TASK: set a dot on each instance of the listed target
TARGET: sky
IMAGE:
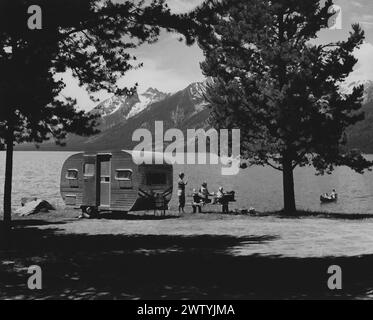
(170, 65)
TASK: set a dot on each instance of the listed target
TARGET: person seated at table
(196, 197)
(220, 194)
(221, 199)
(204, 193)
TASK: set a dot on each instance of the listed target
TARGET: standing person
(181, 192)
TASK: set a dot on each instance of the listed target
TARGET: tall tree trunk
(8, 178)
(288, 184)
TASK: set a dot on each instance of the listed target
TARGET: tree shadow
(36, 222)
(323, 215)
(168, 267)
(130, 216)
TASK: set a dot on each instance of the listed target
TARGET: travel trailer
(112, 181)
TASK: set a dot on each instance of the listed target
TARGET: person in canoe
(332, 197)
(334, 194)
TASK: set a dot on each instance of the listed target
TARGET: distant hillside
(120, 117)
(186, 109)
(361, 135)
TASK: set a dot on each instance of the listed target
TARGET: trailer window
(89, 169)
(123, 175)
(72, 174)
(156, 178)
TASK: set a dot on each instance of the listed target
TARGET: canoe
(324, 199)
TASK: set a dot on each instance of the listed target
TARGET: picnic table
(223, 202)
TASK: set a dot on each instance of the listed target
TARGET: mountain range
(121, 116)
(118, 109)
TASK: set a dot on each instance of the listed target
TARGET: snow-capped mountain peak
(153, 93)
(121, 108)
(146, 99)
(109, 106)
(197, 91)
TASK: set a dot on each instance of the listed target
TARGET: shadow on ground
(166, 267)
(321, 215)
(36, 223)
(121, 216)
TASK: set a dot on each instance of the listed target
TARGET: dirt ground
(200, 256)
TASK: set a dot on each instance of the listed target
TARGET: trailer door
(90, 181)
(105, 180)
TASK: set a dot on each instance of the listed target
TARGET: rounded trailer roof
(149, 157)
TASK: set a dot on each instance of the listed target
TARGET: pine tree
(282, 89)
(92, 38)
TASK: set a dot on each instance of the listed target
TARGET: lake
(38, 174)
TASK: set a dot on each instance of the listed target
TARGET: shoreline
(63, 212)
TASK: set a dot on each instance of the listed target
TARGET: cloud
(364, 68)
(73, 90)
(361, 12)
(357, 4)
(169, 66)
(366, 20)
(167, 80)
(182, 6)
